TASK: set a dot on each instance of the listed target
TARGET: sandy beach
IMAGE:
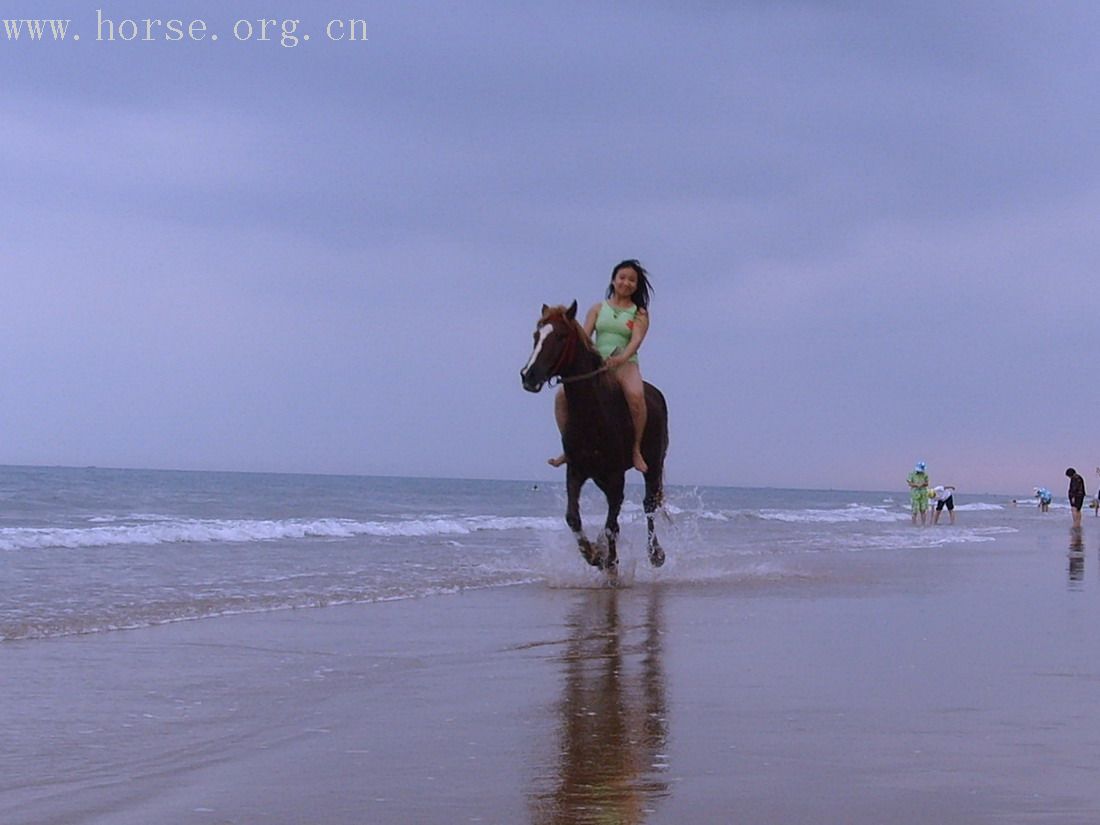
(943, 686)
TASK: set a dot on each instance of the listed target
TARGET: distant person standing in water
(918, 491)
(945, 497)
(1045, 497)
(1076, 494)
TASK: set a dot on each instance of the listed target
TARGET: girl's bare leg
(561, 415)
(630, 377)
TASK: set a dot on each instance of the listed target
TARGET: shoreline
(949, 685)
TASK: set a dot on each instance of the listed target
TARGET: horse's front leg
(614, 493)
(573, 483)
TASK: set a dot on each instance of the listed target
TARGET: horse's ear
(544, 308)
(571, 313)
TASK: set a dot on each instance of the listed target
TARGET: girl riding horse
(620, 323)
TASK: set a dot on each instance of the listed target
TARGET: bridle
(568, 353)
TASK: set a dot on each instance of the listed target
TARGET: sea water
(86, 550)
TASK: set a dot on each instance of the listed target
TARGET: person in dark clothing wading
(1076, 494)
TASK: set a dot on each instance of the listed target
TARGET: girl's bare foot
(639, 462)
(557, 461)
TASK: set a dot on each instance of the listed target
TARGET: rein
(570, 379)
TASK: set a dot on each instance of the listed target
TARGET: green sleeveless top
(614, 328)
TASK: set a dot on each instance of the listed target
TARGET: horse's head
(555, 342)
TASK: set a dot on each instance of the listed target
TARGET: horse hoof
(592, 555)
(656, 555)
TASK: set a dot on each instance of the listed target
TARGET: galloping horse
(599, 435)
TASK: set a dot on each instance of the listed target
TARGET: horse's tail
(655, 489)
(655, 500)
(655, 482)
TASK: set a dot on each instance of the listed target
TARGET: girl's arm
(590, 320)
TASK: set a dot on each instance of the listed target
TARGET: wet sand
(947, 686)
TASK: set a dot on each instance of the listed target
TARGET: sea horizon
(631, 481)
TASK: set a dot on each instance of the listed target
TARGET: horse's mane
(561, 311)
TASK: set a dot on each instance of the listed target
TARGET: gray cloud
(869, 229)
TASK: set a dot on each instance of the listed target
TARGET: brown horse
(599, 435)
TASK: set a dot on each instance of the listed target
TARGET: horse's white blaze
(544, 331)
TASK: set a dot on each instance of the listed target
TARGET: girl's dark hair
(641, 294)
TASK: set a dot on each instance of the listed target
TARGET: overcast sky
(871, 229)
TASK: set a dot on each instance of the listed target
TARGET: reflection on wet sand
(1076, 557)
(613, 723)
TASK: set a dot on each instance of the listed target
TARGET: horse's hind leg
(654, 497)
(573, 483)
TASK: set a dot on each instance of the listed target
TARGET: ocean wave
(103, 619)
(917, 539)
(187, 531)
(707, 515)
(846, 515)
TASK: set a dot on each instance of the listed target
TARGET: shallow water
(89, 550)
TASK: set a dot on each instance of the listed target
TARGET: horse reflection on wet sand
(599, 433)
(610, 763)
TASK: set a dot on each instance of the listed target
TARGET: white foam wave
(241, 530)
(151, 615)
(979, 505)
(846, 515)
(711, 516)
(926, 538)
